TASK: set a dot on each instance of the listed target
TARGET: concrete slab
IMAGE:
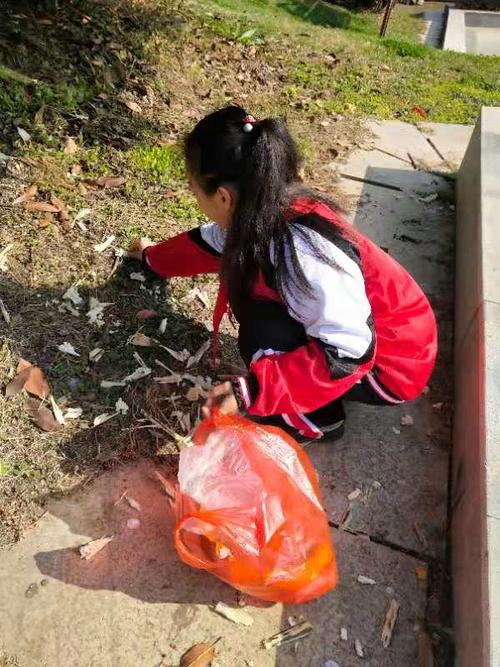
(403, 476)
(401, 139)
(135, 604)
(434, 22)
(451, 140)
(473, 32)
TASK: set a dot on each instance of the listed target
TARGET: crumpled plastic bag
(248, 510)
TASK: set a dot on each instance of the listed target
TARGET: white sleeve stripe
(212, 234)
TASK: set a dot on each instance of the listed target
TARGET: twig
(5, 312)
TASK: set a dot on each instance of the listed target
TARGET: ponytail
(260, 160)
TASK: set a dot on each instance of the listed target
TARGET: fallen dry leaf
(104, 417)
(169, 487)
(121, 407)
(146, 314)
(193, 394)
(196, 358)
(40, 206)
(28, 194)
(57, 411)
(180, 356)
(41, 415)
(138, 374)
(389, 622)
(141, 340)
(133, 106)
(89, 550)
(28, 377)
(101, 247)
(5, 312)
(63, 213)
(199, 655)
(67, 348)
(71, 294)
(48, 219)
(133, 504)
(354, 494)
(110, 181)
(70, 147)
(25, 136)
(73, 413)
(238, 616)
(16, 385)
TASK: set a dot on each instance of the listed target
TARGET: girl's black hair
(262, 165)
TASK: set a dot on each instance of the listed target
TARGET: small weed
(164, 163)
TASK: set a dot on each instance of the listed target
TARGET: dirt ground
(132, 81)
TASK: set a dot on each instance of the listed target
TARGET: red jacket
(405, 347)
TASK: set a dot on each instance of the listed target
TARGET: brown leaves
(28, 377)
(63, 213)
(28, 194)
(110, 181)
(42, 416)
(41, 206)
(89, 550)
(199, 655)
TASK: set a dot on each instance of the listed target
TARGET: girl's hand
(137, 247)
(222, 396)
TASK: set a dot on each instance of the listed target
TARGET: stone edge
(475, 474)
(454, 36)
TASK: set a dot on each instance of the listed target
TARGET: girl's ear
(226, 198)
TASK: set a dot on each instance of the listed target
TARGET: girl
(324, 314)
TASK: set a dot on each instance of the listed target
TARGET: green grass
(162, 163)
(387, 78)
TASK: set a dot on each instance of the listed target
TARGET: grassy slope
(74, 74)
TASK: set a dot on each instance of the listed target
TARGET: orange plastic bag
(248, 510)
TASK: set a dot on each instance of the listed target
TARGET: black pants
(266, 325)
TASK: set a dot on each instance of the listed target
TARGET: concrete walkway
(136, 604)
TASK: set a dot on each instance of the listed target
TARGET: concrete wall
(476, 457)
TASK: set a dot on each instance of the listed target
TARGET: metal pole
(387, 15)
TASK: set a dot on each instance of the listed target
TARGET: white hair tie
(249, 122)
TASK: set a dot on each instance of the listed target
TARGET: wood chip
(141, 340)
(25, 136)
(90, 549)
(366, 580)
(354, 494)
(95, 355)
(73, 413)
(71, 294)
(358, 647)
(343, 634)
(238, 616)
(389, 622)
(5, 312)
(193, 394)
(104, 417)
(163, 326)
(407, 420)
(137, 275)
(299, 631)
(180, 356)
(121, 407)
